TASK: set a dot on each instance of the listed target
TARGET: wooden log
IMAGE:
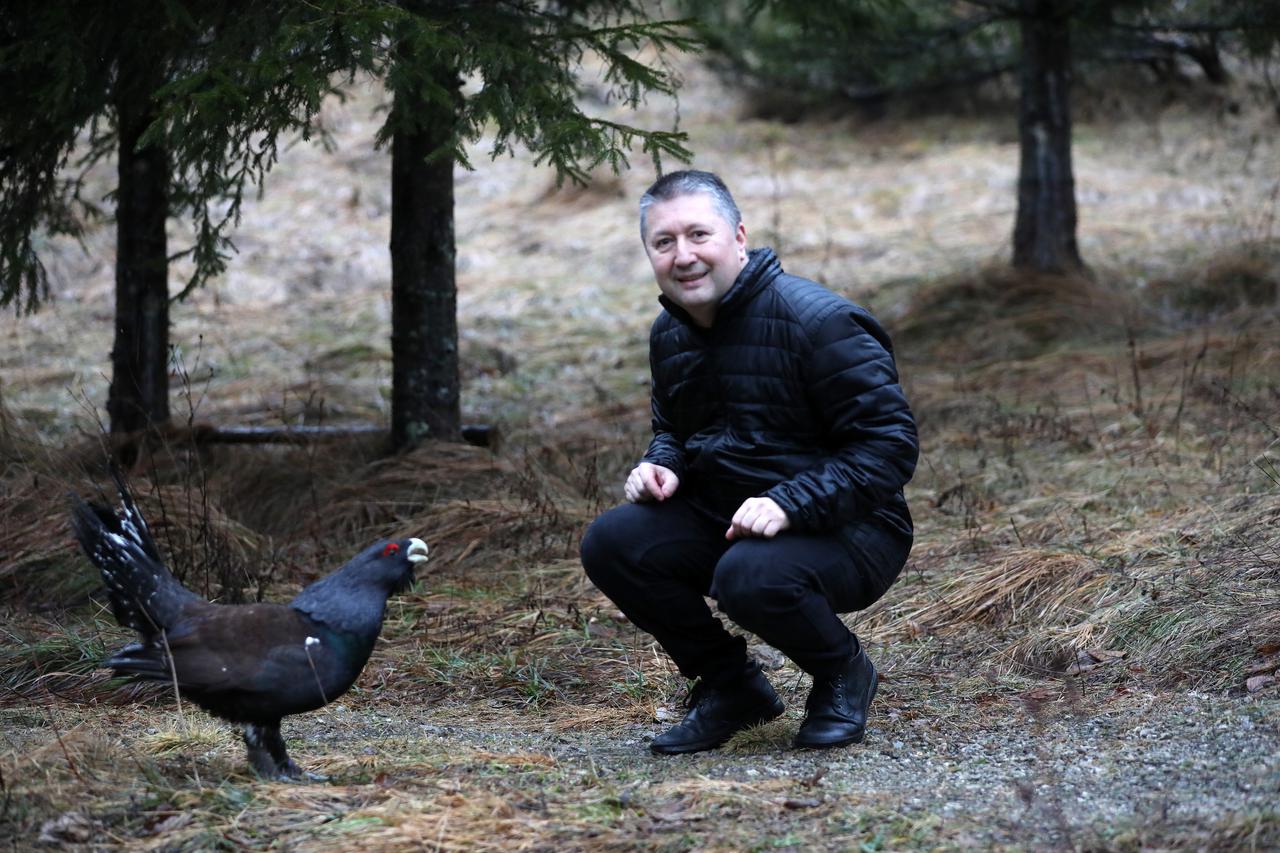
(477, 435)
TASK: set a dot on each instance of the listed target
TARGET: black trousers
(657, 561)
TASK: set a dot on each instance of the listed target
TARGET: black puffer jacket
(792, 394)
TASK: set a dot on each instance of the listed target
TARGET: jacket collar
(762, 268)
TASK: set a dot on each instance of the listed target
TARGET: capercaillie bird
(249, 664)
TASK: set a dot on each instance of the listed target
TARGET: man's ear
(741, 239)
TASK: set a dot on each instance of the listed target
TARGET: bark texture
(139, 395)
(1044, 237)
(424, 328)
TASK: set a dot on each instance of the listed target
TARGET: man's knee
(597, 548)
(607, 541)
(749, 580)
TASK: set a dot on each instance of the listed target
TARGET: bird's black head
(389, 563)
(353, 597)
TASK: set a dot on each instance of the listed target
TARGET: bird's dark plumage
(251, 664)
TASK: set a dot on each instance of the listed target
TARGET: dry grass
(1002, 314)
(1068, 537)
(1102, 508)
(1024, 587)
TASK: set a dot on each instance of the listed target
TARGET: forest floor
(1082, 653)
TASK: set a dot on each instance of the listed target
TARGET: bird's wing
(237, 647)
(263, 661)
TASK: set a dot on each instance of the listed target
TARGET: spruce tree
(525, 59)
(190, 98)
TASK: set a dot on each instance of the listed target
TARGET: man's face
(696, 254)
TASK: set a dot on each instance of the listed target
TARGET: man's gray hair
(690, 182)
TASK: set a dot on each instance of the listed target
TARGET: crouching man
(773, 484)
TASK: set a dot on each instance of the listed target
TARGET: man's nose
(684, 253)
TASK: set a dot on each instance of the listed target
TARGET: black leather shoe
(836, 710)
(717, 712)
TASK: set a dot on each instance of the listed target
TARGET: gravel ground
(1157, 770)
(940, 769)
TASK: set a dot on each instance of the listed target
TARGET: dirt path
(1179, 767)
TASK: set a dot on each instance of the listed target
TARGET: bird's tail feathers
(142, 660)
(144, 595)
(132, 522)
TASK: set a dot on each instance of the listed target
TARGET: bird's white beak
(417, 551)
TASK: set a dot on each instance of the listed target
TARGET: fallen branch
(477, 435)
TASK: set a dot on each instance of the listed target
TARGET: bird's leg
(275, 745)
(281, 766)
(260, 753)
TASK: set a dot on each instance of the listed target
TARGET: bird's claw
(289, 771)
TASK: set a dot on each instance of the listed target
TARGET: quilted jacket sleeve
(665, 449)
(868, 429)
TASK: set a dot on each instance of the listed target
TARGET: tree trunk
(1044, 236)
(139, 396)
(424, 327)
(1206, 55)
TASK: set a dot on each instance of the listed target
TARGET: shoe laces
(696, 694)
(831, 689)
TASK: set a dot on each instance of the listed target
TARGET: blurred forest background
(321, 273)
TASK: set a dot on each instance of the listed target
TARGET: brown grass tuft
(1244, 278)
(1003, 313)
(1026, 587)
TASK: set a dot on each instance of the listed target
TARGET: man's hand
(649, 482)
(757, 517)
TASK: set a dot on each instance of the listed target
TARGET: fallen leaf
(1259, 682)
(68, 827)
(599, 631)
(1092, 658)
(674, 811)
(1263, 667)
(769, 657)
(1268, 648)
(803, 803)
(815, 778)
(172, 823)
(1084, 662)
